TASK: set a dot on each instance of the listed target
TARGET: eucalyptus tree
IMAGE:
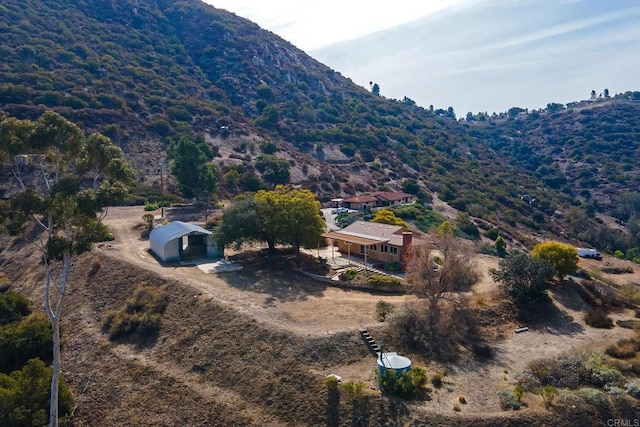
(73, 177)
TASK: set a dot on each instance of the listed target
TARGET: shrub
(151, 206)
(349, 274)
(633, 390)
(392, 267)
(462, 400)
(409, 384)
(353, 390)
(148, 224)
(437, 379)
(548, 393)
(491, 234)
(331, 382)
(623, 349)
(383, 281)
(24, 400)
(13, 307)
(572, 370)
(508, 400)
(383, 309)
(23, 340)
(140, 314)
(483, 351)
(598, 318)
(456, 407)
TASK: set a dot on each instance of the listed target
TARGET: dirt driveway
(287, 299)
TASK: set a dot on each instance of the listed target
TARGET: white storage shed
(168, 244)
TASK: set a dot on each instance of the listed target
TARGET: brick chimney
(407, 238)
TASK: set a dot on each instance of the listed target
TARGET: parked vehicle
(340, 211)
(589, 253)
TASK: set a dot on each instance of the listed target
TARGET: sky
(473, 55)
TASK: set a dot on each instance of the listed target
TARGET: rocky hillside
(146, 73)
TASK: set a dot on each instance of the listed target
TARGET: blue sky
(473, 55)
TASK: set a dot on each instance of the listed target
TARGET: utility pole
(161, 190)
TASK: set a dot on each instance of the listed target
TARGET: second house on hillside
(378, 199)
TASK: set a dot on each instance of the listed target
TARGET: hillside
(251, 348)
(147, 73)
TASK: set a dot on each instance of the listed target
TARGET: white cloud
(312, 24)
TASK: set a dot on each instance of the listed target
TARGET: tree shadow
(543, 313)
(279, 285)
(333, 407)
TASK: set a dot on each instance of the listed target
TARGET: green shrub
(509, 401)
(598, 318)
(633, 390)
(24, 340)
(349, 274)
(151, 206)
(408, 384)
(13, 307)
(383, 309)
(331, 382)
(24, 396)
(392, 267)
(353, 390)
(491, 234)
(140, 314)
(383, 281)
(437, 379)
(572, 370)
(548, 393)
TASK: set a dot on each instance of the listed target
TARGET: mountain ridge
(146, 74)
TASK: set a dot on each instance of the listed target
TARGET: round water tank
(393, 361)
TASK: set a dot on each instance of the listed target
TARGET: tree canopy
(197, 178)
(283, 215)
(523, 277)
(70, 178)
(564, 258)
(387, 216)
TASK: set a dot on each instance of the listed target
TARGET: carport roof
(174, 230)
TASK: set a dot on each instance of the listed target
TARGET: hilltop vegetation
(147, 74)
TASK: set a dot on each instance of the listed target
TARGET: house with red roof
(378, 199)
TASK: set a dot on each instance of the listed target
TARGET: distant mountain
(145, 73)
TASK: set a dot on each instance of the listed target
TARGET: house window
(384, 249)
(362, 248)
(373, 247)
(394, 250)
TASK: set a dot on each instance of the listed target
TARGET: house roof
(359, 240)
(372, 232)
(387, 196)
(391, 196)
(361, 199)
(174, 230)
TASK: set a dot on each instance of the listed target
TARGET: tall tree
(74, 176)
(436, 272)
(564, 258)
(291, 214)
(282, 215)
(523, 277)
(191, 167)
